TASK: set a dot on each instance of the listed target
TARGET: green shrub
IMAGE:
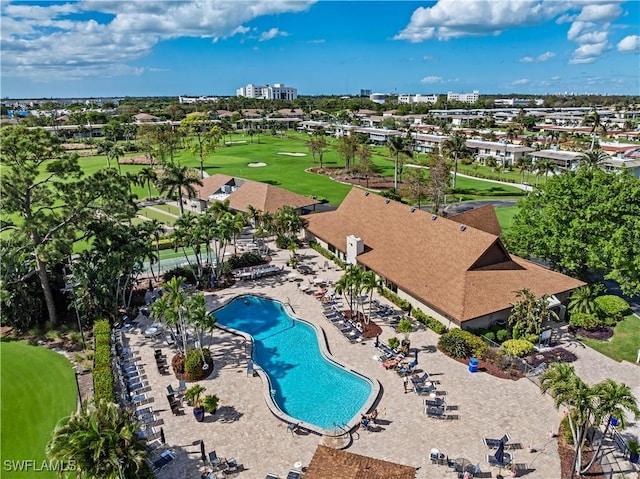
(327, 254)
(586, 321)
(502, 335)
(404, 305)
(163, 243)
(244, 261)
(475, 343)
(490, 336)
(101, 326)
(454, 346)
(518, 347)
(612, 306)
(180, 271)
(193, 364)
(394, 342)
(429, 321)
(532, 338)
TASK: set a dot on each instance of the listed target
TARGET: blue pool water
(305, 384)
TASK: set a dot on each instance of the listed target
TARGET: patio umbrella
(416, 357)
(162, 438)
(377, 340)
(202, 453)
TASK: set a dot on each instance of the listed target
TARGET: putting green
(37, 389)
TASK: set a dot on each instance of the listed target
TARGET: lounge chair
(293, 474)
(436, 412)
(506, 460)
(427, 388)
(495, 443)
(271, 475)
(437, 402)
(418, 380)
(215, 461)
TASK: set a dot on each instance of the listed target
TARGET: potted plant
(394, 342)
(405, 327)
(210, 403)
(634, 450)
(193, 395)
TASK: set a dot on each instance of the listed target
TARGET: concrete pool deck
(245, 429)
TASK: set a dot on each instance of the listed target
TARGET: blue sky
(147, 48)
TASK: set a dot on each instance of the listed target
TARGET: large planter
(634, 457)
(198, 413)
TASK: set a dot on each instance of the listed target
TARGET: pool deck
(245, 429)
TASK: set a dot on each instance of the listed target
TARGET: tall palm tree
(544, 167)
(456, 146)
(594, 120)
(101, 439)
(524, 165)
(398, 147)
(370, 283)
(567, 389)
(592, 160)
(613, 400)
(146, 176)
(175, 179)
(111, 150)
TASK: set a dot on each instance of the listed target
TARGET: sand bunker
(256, 165)
(291, 154)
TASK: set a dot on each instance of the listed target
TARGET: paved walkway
(244, 428)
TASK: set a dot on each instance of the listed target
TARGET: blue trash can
(473, 365)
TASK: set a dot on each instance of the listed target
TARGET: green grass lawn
(156, 215)
(624, 343)
(37, 389)
(505, 216)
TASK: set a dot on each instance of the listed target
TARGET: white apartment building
(277, 91)
(464, 97)
(409, 99)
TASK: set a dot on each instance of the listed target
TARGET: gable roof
(261, 196)
(329, 463)
(483, 218)
(460, 271)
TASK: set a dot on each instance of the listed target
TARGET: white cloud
(431, 79)
(318, 41)
(448, 19)
(428, 58)
(543, 57)
(271, 34)
(522, 81)
(629, 44)
(39, 40)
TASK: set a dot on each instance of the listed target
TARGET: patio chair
(436, 412)
(165, 458)
(293, 474)
(215, 461)
(495, 443)
(426, 388)
(418, 380)
(507, 459)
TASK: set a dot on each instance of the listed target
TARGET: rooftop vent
(463, 227)
(412, 210)
(366, 193)
(434, 217)
(387, 201)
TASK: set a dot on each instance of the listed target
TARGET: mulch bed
(137, 160)
(377, 182)
(566, 453)
(370, 330)
(490, 368)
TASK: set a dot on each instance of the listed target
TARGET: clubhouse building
(456, 270)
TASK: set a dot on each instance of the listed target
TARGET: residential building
(464, 97)
(506, 154)
(409, 99)
(518, 102)
(378, 98)
(241, 193)
(276, 91)
(566, 160)
(197, 99)
(457, 273)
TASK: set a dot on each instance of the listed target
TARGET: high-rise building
(365, 93)
(277, 91)
(464, 97)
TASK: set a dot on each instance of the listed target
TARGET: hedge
(102, 369)
(429, 321)
(457, 341)
(518, 347)
(327, 254)
(404, 305)
(612, 306)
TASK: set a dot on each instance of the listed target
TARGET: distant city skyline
(156, 48)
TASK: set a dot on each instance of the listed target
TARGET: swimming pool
(305, 384)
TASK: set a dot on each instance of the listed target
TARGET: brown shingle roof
(462, 272)
(329, 463)
(483, 218)
(261, 196)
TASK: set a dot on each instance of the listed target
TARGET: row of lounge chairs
(351, 330)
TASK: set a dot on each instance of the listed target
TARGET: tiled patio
(244, 428)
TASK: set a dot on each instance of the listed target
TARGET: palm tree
(397, 147)
(111, 150)
(567, 389)
(592, 160)
(597, 126)
(146, 176)
(583, 300)
(544, 167)
(613, 400)
(523, 164)
(101, 439)
(456, 146)
(174, 178)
